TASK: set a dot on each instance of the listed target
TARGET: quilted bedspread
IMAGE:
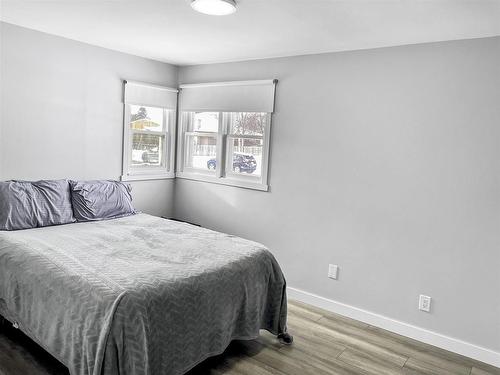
(138, 295)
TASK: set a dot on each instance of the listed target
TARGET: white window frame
(186, 118)
(139, 173)
(223, 175)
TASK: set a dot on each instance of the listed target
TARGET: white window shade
(150, 95)
(238, 96)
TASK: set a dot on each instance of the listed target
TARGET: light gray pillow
(25, 204)
(98, 200)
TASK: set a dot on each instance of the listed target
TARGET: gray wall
(61, 111)
(387, 163)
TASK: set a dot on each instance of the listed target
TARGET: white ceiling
(170, 31)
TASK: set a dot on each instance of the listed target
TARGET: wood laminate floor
(325, 344)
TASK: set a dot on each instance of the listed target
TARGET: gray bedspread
(138, 295)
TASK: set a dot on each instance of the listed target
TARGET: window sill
(223, 181)
(146, 177)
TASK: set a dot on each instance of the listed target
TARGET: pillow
(16, 206)
(25, 204)
(98, 200)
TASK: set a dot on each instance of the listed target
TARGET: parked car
(148, 156)
(241, 163)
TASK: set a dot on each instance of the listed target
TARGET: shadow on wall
(153, 197)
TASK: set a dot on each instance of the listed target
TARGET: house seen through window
(149, 128)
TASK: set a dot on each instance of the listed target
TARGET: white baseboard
(429, 337)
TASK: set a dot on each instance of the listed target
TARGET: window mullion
(260, 137)
(265, 149)
(166, 141)
(220, 146)
(127, 144)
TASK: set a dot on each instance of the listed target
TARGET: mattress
(138, 295)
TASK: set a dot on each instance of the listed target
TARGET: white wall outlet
(333, 271)
(424, 303)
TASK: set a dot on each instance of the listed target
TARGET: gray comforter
(138, 295)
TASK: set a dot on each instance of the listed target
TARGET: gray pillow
(25, 204)
(98, 200)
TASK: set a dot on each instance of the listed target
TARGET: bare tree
(250, 123)
(141, 114)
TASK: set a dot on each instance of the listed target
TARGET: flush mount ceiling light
(214, 7)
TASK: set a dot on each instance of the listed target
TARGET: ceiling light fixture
(214, 7)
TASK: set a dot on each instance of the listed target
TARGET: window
(149, 125)
(201, 141)
(224, 133)
(245, 143)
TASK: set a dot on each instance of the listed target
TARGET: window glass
(146, 118)
(245, 156)
(147, 149)
(248, 123)
(205, 122)
(240, 160)
(149, 130)
(201, 152)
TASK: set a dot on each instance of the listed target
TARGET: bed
(138, 295)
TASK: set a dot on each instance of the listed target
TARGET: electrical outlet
(424, 303)
(333, 271)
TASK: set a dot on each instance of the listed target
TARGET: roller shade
(150, 95)
(239, 96)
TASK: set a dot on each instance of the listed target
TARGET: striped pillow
(25, 204)
(102, 199)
